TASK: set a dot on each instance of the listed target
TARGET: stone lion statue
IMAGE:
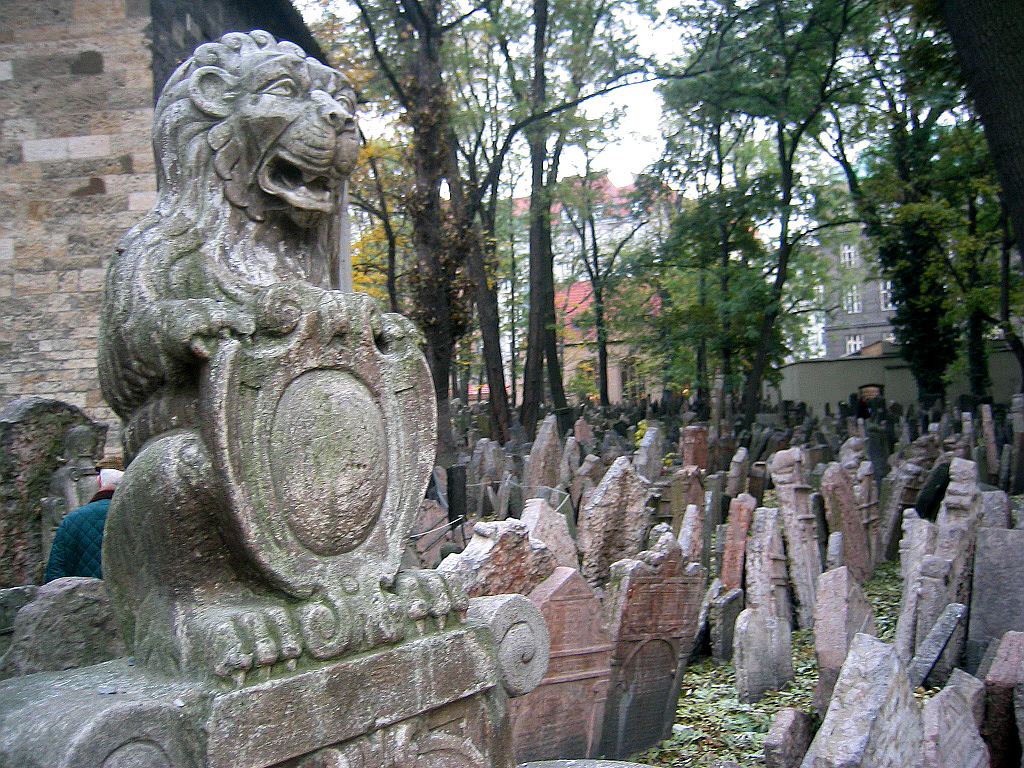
(280, 433)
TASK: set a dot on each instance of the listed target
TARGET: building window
(885, 295)
(848, 256)
(854, 343)
(890, 337)
(851, 300)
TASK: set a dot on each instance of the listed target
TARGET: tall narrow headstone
(767, 579)
(762, 654)
(738, 469)
(844, 516)
(800, 529)
(695, 447)
(741, 512)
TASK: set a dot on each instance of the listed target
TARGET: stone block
(842, 612)
(68, 624)
(762, 654)
(873, 719)
(788, 738)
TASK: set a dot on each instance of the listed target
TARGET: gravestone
(33, 433)
(647, 459)
(995, 510)
(800, 528)
(281, 435)
(988, 431)
(613, 523)
(903, 485)
(934, 643)
(788, 739)
(563, 716)
(918, 541)
(687, 488)
(543, 469)
(502, 557)
(570, 462)
(651, 607)
(767, 579)
(843, 611)
(695, 447)
(723, 611)
(738, 470)
(741, 512)
(1000, 728)
(997, 594)
(762, 654)
(12, 599)
(552, 528)
(844, 516)
(950, 733)
(873, 718)
(691, 535)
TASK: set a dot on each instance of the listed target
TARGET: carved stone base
(431, 702)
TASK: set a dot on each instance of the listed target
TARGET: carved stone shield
(322, 425)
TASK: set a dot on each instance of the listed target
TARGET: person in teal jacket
(77, 547)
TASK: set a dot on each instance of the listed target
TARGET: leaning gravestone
(613, 523)
(842, 612)
(997, 597)
(283, 435)
(651, 607)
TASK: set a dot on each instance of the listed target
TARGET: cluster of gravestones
(843, 503)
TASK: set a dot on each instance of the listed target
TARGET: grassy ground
(712, 725)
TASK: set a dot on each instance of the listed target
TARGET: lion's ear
(210, 90)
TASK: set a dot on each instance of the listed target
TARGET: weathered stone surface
(834, 551)
(950, 733)
(687, 488)
(545, 455)
(501, 557)
(587, 477)
(564, 715)
(935, 642)
(902, 485)
(647, 460)
(282, 434)
(767, 581)
(613, 523)
(762, 654)
(552, 528)
(485, 470)
(873, 719)
(788, 739)
(722, 614)
(741, 512)
(695, 447)
(12, 600)
(68, 624)
(843, 611)
(997, 596)
(973, 691)
(800, 526)
(999, 729)
(995, 510)
(844, 516)
(988, 430)
(33, 433)
(917, 542)
(738, 469)
(691, 534)
(651, 607)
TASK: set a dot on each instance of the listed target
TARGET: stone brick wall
(78, 80)
(76, 171)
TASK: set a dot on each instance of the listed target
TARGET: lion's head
(277, 128)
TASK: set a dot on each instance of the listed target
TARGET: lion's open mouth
(298, 184)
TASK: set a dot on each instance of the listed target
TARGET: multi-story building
(860, 305)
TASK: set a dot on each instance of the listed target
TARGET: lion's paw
(431, 594)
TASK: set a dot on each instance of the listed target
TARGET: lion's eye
(282, 87)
